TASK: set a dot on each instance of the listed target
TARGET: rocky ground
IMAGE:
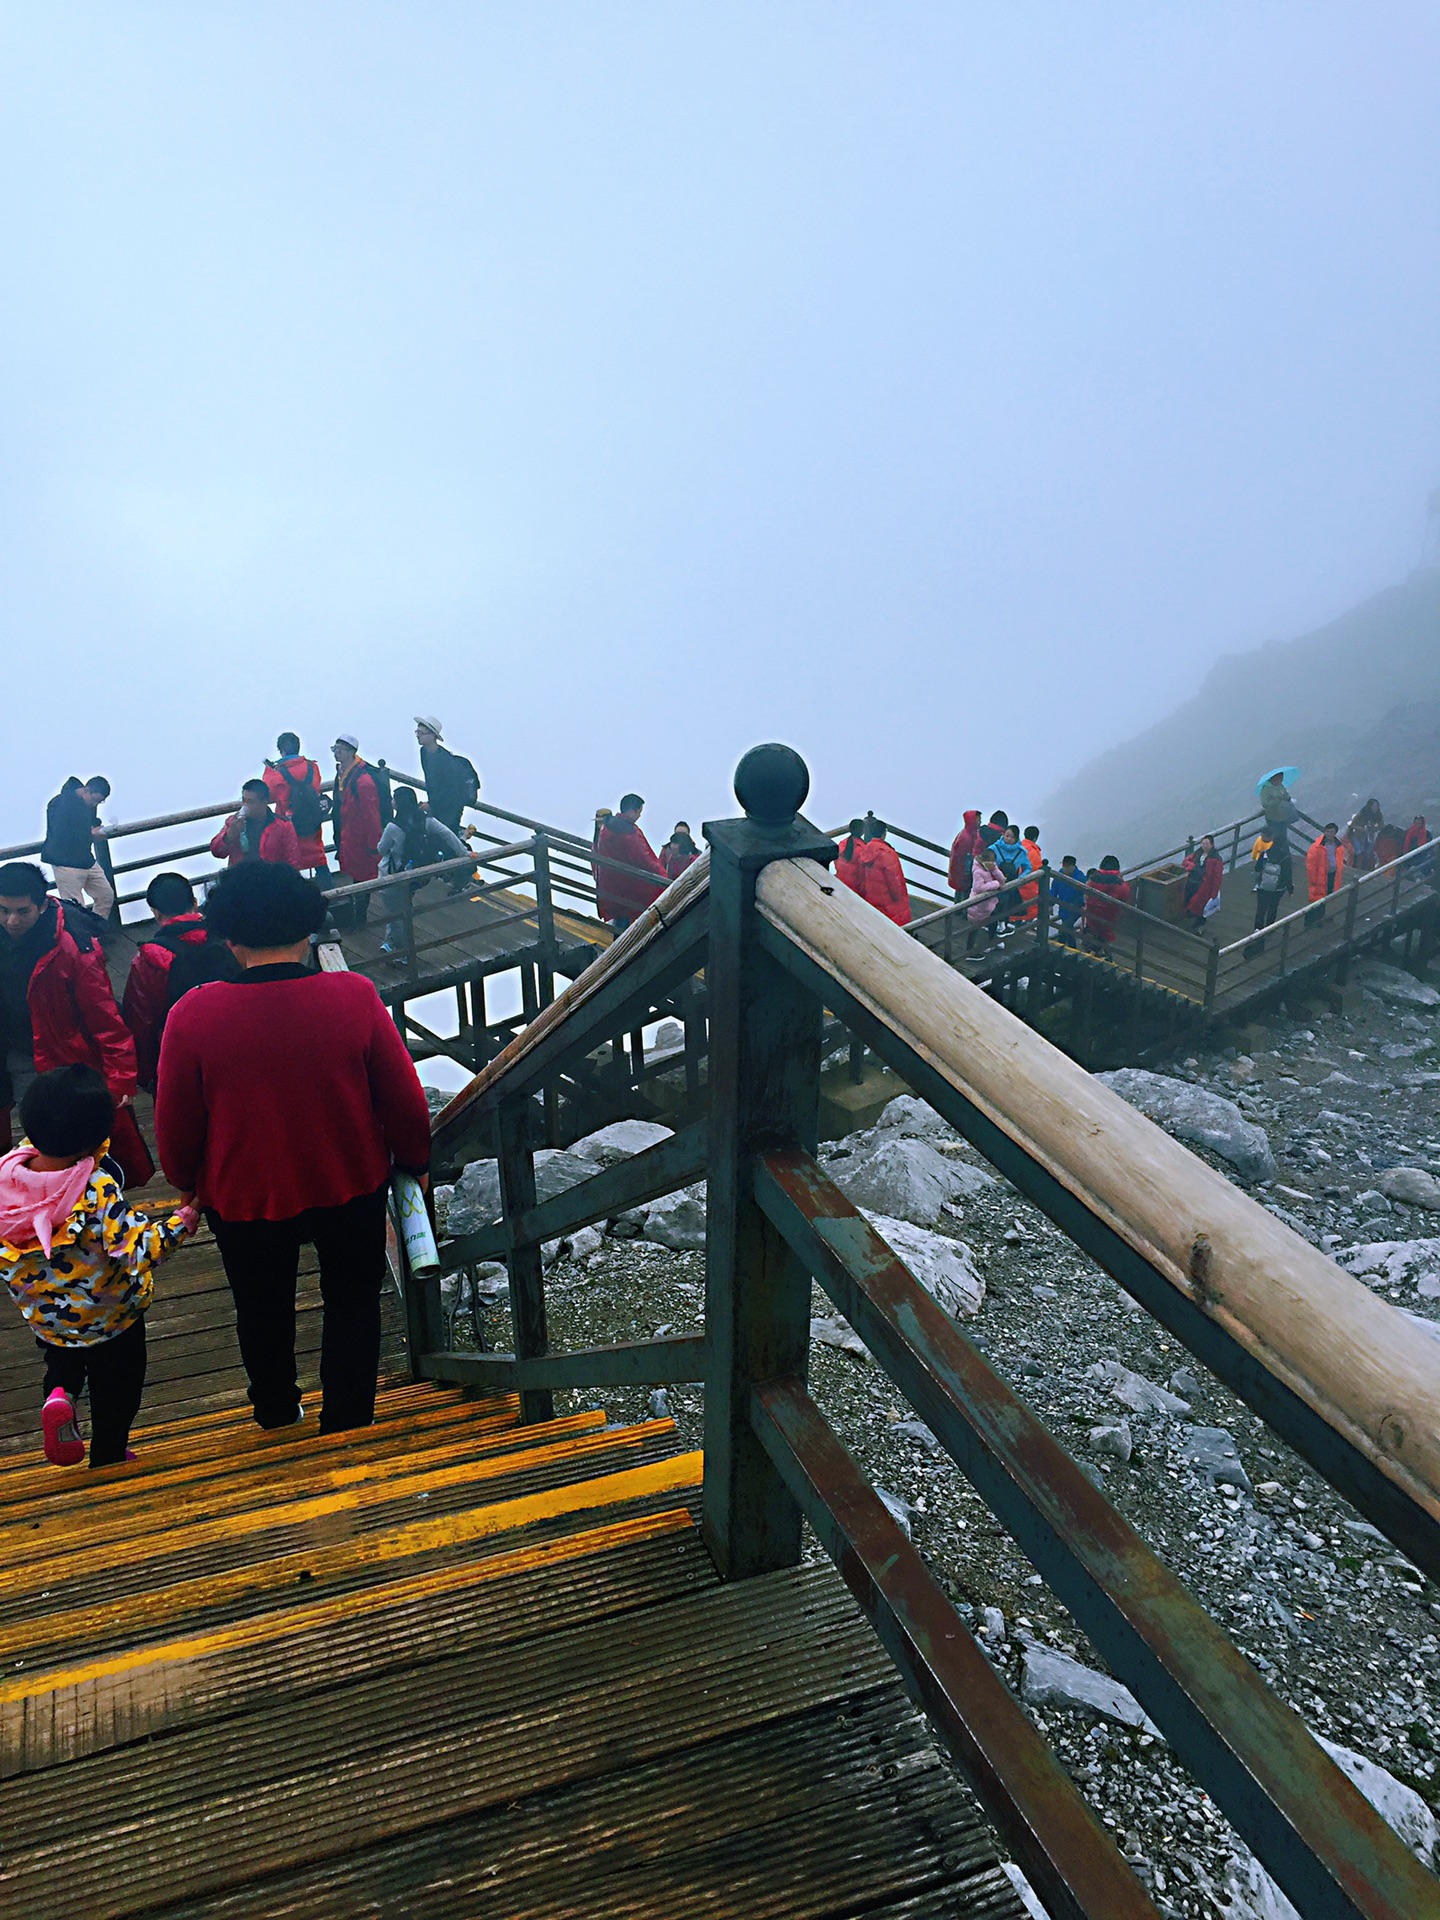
(1339, 1623)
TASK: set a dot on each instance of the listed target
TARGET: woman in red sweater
(283, 1102)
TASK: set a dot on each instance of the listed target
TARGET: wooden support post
(527, 1284)
(1212, 973)
(765, 1033)
(857, 1059)
(1042, 907)
(407, 914)
(529, 992)
(1342, 972)
(424, 1314)
(545, 918)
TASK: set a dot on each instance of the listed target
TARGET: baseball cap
(347, 740)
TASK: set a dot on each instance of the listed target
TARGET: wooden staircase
(446, 1666)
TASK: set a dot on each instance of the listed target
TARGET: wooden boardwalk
(448, 1666)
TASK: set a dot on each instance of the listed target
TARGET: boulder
(557, 1169)
(1412, 1186)
(474, 1199)
(1196, 1115)
(1394, 985)
(677, 1220)
(945, 1268)
(901, 1177)
(1133, 1390)
(621, 1140)
(838, 1333)
(1213, 1450)
(1115, 1443)
(907, 1115)
(1251, 1893)
(1391, 1263)
(1052, 1679)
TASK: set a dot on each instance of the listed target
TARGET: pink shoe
(63, 1445)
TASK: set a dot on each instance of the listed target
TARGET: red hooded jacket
(147, 993)
(73, 1014)
(278, 842)
(357, 797)
(311, 852)
(884, 880)
(1212, 876)
(963, 849)
(1417, 834)
(1106, 894)
(621, 896)
(850, 864)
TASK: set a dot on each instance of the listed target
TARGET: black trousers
(262, 1259)
(115, 1374)
(1267, 906)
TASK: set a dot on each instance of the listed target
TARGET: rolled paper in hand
(412, 1223)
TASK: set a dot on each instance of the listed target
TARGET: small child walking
(78, 1263)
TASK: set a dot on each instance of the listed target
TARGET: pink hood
(32, 1204)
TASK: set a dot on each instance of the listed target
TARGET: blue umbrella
(1277, 773)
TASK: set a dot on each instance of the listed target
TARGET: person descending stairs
(446, 1665)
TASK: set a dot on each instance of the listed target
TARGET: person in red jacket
(850, 862)
(57, 1008)
(679, 851)
(1417, 834)
(1324, 867)
(284, 780)
(628, 876)
(285, 1100)
(963, 849)
(155, 981)
(256, 832)
(359, 816)
(884, 877)
(1105, 893)
(1204, 876)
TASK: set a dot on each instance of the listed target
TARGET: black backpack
(381, 775)
(467, 780)
(306, 809)
(195, 961)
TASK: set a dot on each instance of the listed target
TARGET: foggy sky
(938, 387)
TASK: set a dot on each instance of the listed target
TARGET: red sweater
(284, 1091)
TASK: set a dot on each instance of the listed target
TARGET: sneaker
(63, 1445)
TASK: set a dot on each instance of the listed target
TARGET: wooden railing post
(1042, 907)
(424, 1313)
(527, 1285)
(1212, 973)
(545, 919)
(765, 1034)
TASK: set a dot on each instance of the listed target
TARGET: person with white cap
(451, 782)
(359, 813)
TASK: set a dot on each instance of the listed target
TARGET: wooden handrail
(1387, 872)
(1344, 1352)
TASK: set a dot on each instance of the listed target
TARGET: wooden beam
(1281, 1322)
(638, 1363)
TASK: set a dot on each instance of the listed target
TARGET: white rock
(1024, 1892)
(1133, 1390)
(1401, 989)
(1398, 1805)
(1115, 1443)
(1052, 1679)
(621, 1140)
(840, 1334)
(1392, 1262)
(992, 1625)
(899, 1510)
(1253, 1895)
(474, 1199)
(903, 1178)
(1413, 1186)
(583, 1242)
(945, 1268)
(907, 1115)
(1196, 1115)
(677, 1220)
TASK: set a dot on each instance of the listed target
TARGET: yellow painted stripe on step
(271, 1453)
(145, 1612)
(52, 1570)
(269, 1628)
(169, 1500)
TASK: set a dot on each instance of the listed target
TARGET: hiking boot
(61, 1426)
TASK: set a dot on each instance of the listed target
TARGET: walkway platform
(448, 1666)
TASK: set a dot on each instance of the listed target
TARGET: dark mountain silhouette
(1356, 705)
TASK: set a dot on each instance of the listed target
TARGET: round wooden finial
(771, 783)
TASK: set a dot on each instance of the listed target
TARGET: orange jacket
(1317, 867)
(1030, 891)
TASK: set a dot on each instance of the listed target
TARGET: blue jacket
(1068, 894)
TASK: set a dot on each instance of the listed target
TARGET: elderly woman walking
(285, 1099)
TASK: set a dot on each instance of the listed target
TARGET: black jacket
(448, 784)
(68, 820)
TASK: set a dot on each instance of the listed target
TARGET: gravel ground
(1338, 1622)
